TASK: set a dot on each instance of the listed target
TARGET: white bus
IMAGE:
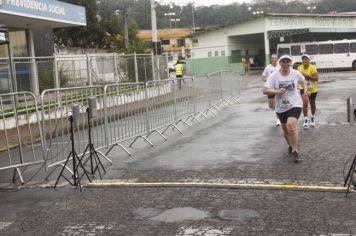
(338, 54)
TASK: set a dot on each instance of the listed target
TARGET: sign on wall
(45, 9)
(280, 22)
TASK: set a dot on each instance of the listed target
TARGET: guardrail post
(89, 70)
(167, 65)
(221, 85)
(57, 84)
(350, 111)
(105, 104)
(116, 77)
(209, 98)
(158, 68)
(146, 108)
(136, 69)
(153, 67)
(12, 71)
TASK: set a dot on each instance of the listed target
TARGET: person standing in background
(270, 69)
(179, 73)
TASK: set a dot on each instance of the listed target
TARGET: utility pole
(193, 25)
(125, 14)
(154, 27)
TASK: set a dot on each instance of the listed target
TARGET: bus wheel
(354, 65)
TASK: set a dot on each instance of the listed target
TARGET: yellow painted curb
(216, 185)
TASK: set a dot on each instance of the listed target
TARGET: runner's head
(285, 61)
(305, 60)
(274, 59)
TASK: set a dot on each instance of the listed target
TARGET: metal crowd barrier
(125, 112)
(20, 132)
(203, 99)
(56, 109)
(125, 106)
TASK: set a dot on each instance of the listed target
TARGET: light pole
(175, 22)
(126, 28)
(193, 17)
(154, 29)
(169, 14)
(311, 8)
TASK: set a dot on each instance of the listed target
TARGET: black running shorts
(293, 112)
(312, 95)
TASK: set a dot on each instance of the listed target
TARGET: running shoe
(312, 121)
(278, 122)
(295, 156)
(305, 123)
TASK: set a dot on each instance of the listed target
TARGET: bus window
(352, 47)
(295, 50)
(283, 51)
(311, 49)
(326, 49)
(341, 48)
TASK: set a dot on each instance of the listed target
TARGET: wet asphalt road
(240, 145)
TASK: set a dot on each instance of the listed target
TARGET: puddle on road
(171, 215)
(144, 213)
(238, 214)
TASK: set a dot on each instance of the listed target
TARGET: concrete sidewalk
(239, 146)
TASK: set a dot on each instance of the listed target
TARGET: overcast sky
(203, 2)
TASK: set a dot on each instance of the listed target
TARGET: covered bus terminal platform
(225, 47)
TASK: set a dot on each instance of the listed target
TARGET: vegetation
(105, 28)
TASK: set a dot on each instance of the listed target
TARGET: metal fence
(125, 112)
(21, 140)
(36, 74)
(56, 106)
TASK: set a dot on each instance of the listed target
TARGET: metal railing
(36, 74)
(21, 139)
(125, 112)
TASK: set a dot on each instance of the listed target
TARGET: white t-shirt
(291, 98)
(269, 70)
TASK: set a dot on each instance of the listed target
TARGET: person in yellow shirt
(179, 73)
(311, 75)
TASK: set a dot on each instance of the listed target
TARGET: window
(311, 49)
(223, 53)
(18, 44)
(295, 50)
(195, 40)
(180, 42)
(216, 53)
(283, 51)
(341, 48)
(352, 47)
(326, 48)
(165, 42)
(209, 54)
